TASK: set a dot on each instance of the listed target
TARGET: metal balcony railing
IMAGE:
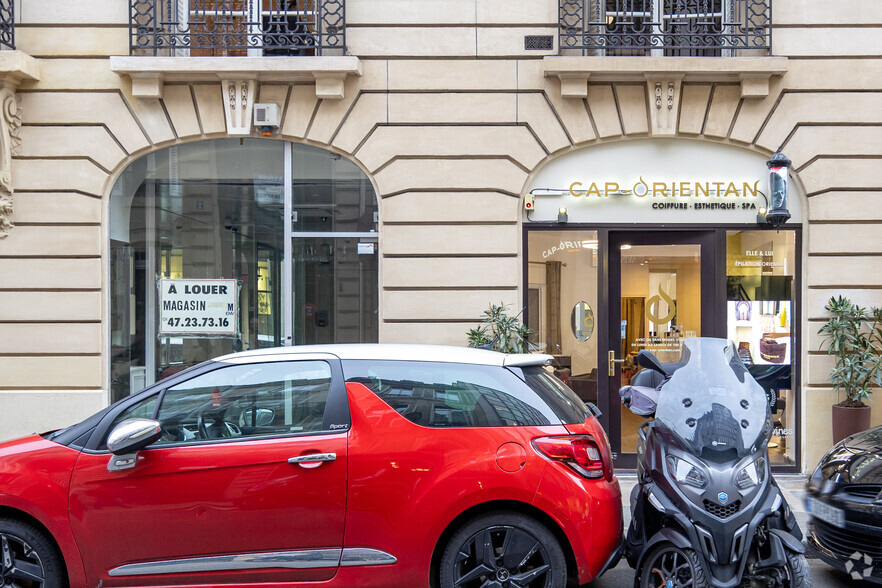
(7, 23)
(666, 27)
(237, 27)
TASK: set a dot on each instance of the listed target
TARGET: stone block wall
(450, 119)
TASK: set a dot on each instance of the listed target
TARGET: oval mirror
(582, 321)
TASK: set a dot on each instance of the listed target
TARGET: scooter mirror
(647, 360)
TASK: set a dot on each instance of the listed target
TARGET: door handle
(312, 460)
(612, 363)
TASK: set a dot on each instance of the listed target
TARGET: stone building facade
(453, 122)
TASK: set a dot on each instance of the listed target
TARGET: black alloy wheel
(503, 550)
(669, 566)
(27, 558)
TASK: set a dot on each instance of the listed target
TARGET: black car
(844, 499)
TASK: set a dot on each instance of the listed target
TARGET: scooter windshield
(712, 403)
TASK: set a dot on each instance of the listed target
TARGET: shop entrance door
(662, 289)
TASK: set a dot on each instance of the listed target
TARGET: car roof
(391, 351)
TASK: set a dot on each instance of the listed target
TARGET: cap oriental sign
(654, 189)
(654, 181)
(198, 308)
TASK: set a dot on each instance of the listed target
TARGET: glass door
(334, 253)
(662, 289)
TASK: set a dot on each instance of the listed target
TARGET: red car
(339, 465)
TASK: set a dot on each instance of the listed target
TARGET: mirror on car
(260, 417)
(133, 434)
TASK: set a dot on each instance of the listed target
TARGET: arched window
(203, 262)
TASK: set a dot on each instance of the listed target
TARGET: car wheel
(503, 549)
(28, 559)
(798, 573)
(669, 565)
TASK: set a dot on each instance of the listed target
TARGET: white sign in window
(198, 307)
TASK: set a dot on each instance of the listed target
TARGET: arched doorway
(202, 262)
(640, 244)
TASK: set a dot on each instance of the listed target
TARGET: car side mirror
(260, 417)
(133, 434)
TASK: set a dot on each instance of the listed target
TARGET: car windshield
(712, 404)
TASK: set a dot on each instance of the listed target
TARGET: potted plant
(500, 332)
(853, 336)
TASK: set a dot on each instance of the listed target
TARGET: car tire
(522, 550)
(28, 557)
(667, 558)
(798, 572)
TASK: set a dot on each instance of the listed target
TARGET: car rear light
(579, 452)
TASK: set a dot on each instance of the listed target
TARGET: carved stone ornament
(10, 144)
(15, 66)
(238, 97)
(664, 100)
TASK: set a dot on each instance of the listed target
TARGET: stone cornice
(753, 73)
(148, 74)
(17, 66)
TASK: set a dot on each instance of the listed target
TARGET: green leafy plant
(501, 332)
(853, 336)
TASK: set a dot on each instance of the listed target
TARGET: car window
(141, 410)
(279, 398)
(453, 395)
(565, 403)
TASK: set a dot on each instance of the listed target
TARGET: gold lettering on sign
(681, 188)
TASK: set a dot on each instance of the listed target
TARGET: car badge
(669, 584)
(723, 497)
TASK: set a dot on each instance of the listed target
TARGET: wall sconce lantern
(779, 172)
(562, 214)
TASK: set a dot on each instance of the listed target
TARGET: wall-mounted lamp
(779, 171)
(562, 214)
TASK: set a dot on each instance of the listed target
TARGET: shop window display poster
(760, 330)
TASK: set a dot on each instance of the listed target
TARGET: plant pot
(849, 420)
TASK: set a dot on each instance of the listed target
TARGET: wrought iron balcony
(7, 23)
(237, 27)
(666, 27)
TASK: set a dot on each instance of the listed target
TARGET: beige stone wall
(449, 118)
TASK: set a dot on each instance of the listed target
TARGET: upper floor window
(237, 27)
(666, 27)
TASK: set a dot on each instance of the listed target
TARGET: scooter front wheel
(798, 573)
(669, 566)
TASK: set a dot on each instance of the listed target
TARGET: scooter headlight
(752, 474)
(685, 472)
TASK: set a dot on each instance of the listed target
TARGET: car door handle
(313, 459)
